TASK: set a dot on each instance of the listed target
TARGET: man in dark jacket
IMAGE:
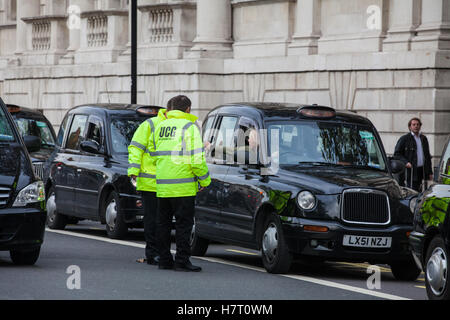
(414, 151)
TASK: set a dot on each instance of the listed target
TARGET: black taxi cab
(22, 195)
(31, 122)
(88, 176)
(430, 240)
(298, 181)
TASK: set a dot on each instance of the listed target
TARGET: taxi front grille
(365, 206)
(5, 193)
(39, 169)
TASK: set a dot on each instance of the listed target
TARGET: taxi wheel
(405, 270)
(436, 270)
(275, 252)
(116, 228)
(25, 257)
(199, 246)
(55, 220)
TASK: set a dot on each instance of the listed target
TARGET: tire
(25, 257)
(55, 220)
(436, 270)
(405, 270)
(199, 245)
(275, 252)
(116, 228)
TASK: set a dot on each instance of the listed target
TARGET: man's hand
(133, 180)
(408, 165)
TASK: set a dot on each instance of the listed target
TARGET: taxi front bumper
(329, 245)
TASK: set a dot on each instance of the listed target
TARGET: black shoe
(188, 267)
(153, 261)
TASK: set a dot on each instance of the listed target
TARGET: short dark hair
(416, 119)
(181, 103)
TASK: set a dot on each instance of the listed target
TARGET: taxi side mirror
(32, 143)
(397, 166)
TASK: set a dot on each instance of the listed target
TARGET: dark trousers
(417, 178)
(183, 209)
(150, 224)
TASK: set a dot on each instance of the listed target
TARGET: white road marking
(243, 252)
(327, 283)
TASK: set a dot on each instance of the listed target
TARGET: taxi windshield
(122, 131)
(40, 129)
(6, 133)
(308, 143)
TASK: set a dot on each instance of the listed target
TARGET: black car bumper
(329, 245)
(22, 228)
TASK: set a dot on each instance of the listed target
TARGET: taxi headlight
(412, 204)
(306, 200)
(32, 193)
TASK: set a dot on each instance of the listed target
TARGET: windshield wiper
(355, 166)
(48, 144)
(318, 163)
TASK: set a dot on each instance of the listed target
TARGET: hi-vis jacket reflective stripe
(140, 163)
(180, 157)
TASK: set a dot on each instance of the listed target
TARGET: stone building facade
(388, 60)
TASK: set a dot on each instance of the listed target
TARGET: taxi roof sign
(315, 111)
(13, 109)
(147, 111)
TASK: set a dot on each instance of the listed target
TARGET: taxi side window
(445, 165)
(225, 144)
(95, 132)
(247, 140)
(62, 130)
(76, 133)
(207, 130)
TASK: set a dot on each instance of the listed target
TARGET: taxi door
(241, 192)
(91, 176)
(65, 173)
(209, 202)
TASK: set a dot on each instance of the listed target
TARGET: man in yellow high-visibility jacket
(143, 171)
(180, 171)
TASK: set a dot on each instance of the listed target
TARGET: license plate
(367, 242)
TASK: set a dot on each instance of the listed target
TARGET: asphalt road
(81, 263)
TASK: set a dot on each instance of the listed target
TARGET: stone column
(434, 32)
(75, 8)
(404, 18)
(25, 8)
(213, 30)
(307, 28)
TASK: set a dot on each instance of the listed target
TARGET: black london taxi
(88, 177)
(31, 122)
(22, 196)
(308, 182)
(430, 240)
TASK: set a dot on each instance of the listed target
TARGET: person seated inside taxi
(247, 151)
